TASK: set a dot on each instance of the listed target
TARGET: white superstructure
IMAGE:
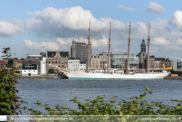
(71, 74)
(82, 67)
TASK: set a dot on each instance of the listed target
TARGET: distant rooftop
(160, 59)
(53, 53)
(35, 55)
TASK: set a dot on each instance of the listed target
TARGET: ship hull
(142, 76)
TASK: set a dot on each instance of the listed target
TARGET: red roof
(1, 62)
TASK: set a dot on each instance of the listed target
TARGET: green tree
(9, 101)
(51, 71)
(57, 71)
(10, 63)
(22, 59)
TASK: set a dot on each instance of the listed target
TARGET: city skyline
(26, 27)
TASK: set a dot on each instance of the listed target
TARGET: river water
(60, 91)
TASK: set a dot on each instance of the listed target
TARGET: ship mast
(129, 40)
(109, 45)
(148, 49)
(88, 52)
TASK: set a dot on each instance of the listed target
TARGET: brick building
(57, 58)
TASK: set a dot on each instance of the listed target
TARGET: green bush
(100, 106)
(51, 71)
(9, 101)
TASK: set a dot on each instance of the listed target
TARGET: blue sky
(27, 26)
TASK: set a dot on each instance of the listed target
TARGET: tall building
(80, 50)
(142, 55)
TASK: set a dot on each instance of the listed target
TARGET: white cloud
(160, 41)
(60, 25)
(62, 41)
(96, 43)
(155, 7)
(153, 50)
(52, 22)
(9, 29)
(126, 8)
(179, 41)
(118, 51)
(38, 46)
(177, 19)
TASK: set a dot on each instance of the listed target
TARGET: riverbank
(39, 77)
(172, 78)
(56, 77)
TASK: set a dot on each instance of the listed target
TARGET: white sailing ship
(113, 73)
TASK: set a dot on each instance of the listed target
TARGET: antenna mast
(148, 48)
(129, 40)
(109, 45)
(88, 52)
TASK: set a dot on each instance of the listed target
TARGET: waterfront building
(168, 63)
(95, 61)
(34, 65)
(156, 63)
(17, 63)
(80, 50)
(159, 63)
(120, 61)
(2, 62)
(98, 61)
(73, 64)
(177, 67)
(57, 58)
(151, 63)
(142, 55)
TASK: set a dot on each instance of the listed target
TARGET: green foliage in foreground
(9, 101)
(100, 106)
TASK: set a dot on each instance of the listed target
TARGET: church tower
(142, 54)
(143, 46)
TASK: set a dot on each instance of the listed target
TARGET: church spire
(143, 41)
